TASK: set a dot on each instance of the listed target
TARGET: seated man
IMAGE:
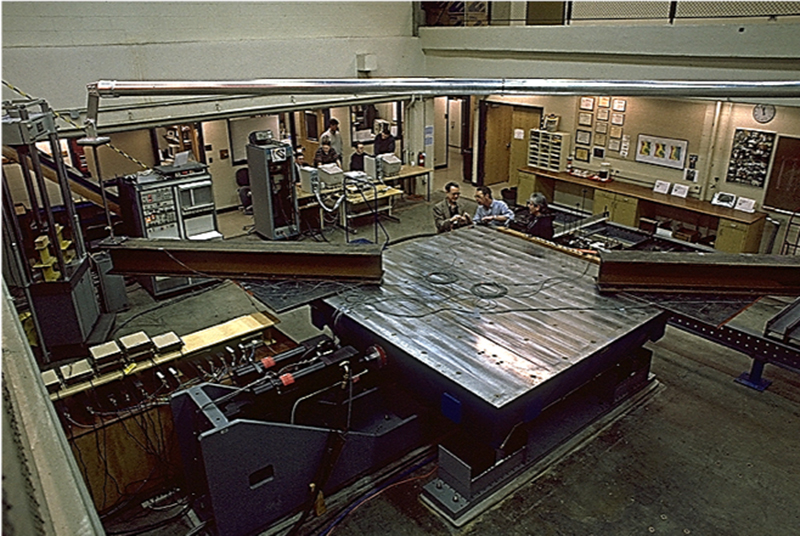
(540, 219)
(491, 211)
(448, 214)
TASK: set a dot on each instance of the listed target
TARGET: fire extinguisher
(421, 159)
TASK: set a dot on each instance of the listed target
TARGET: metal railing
(471, 14)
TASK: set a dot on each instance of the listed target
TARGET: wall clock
(763, 113)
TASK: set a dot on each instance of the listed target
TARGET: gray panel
(551, 318)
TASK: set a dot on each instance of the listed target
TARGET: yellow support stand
(46, 261)
(64, 244)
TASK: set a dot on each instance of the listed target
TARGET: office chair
(245, 196)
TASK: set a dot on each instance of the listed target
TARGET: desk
(367, 203)
(410, 172)
(354, 206)
(737, 231)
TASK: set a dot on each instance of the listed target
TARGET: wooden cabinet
(738, 237)
(529, 184)
(548, 150)
(622, 209)
(737, 232)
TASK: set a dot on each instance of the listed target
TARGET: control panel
(159, 213)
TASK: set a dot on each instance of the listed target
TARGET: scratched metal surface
(499, 349)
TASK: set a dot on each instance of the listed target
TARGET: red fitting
(268, 362)
(287, 379)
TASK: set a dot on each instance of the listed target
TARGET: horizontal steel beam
(445, 86)
(246, 260)
(647, 271)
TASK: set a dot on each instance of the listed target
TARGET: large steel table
(492, 328)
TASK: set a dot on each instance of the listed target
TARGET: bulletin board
(783, 187)
(750, 156)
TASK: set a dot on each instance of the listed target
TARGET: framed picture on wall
(584, 137)
(602, 114)
(600, 139)
(602, 128)
(613, 145)
(615, 131)
(603, 102)
(665, 152)
(618, 105)
(617, 119)
(585, 119)
(587, 103)
(582, 154)
(599, 152)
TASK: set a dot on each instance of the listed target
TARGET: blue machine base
(759, 384)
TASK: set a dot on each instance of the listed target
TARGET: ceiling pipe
(437, 86)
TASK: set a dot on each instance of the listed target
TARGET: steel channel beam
(698, 272)
(758, 348)
(257, 260)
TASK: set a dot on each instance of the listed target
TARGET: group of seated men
(449, 214)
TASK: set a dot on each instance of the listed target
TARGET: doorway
(505, 130)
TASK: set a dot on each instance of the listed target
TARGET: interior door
(498, 143)
(440, 132)
(454, 122)
(523, 119)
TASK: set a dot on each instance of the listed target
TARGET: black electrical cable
(441, 278)
(165, 304)
(489, 290)
(146, 528)
(333, 448)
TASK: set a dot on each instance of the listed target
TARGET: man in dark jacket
(540, 220)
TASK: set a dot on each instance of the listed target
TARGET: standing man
(448, 214)
(357, 158)
(384, 143)
(490, 211)
(334, 135)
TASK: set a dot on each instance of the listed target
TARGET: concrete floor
(703, 455)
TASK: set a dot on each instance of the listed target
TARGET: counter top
(647, 194)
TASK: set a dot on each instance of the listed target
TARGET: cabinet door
(603, 201)
(526, 187)
(738, 237)
(626, 211)
(731, 236)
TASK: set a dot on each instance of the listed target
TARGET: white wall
(53, 49)
(751, 51)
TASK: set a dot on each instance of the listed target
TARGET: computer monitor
(330, 174)
(390, 164)
(307, 178)
(371, 166)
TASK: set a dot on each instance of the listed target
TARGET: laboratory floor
(701, 455)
